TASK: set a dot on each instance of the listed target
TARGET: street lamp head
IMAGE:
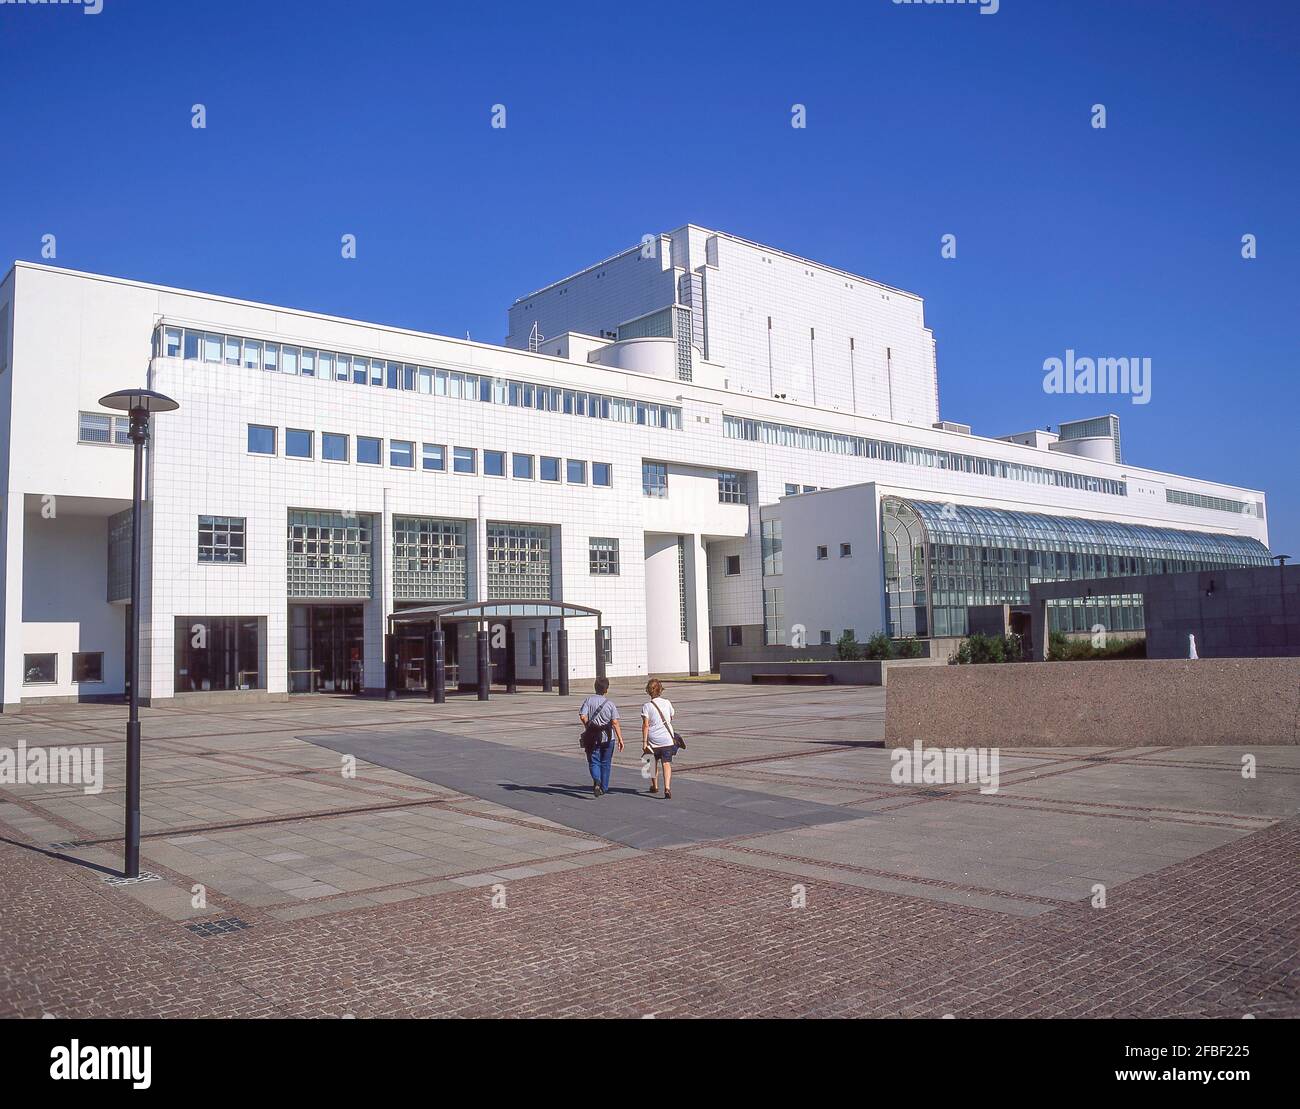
(1281, 559)
(131, 400)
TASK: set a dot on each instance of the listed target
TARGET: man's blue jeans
(601, 762)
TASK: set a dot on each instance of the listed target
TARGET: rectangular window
(297, 443)
(434, 457)
(846, 550)
(234, 350)
(192, 341)
(602, 473)
(518, 561)
(87, 666)
(219, 653)
(401, 454)
(826, 638)
(326, 365)
(95, 427)
(333, 446)
(172, 342)
(464, 460)
(850, 634)
(289, 363)
(731, 488)
(791, 490)
(576, 472)
(221, 538)
(40, 669)
(308, 363)
(370, 451)
(494, 463)
(733, 566)
(261, 439)
(773, 548)
(550, 468)
(522, 466)
(773, 617)
(603, 555)
(821, 553)
(734, 636)
(271, 358)
(654, 479)
(252, 355)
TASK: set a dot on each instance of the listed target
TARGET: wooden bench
(791, 679)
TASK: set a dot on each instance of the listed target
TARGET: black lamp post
(141, 404)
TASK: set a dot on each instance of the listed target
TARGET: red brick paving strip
(672, 934)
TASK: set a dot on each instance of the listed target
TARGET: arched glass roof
(994, 527)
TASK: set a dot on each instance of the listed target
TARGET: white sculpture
(1191, 646)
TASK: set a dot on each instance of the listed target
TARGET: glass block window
(221, 538)
(119, 555)
(99, 427)
(731, 488)
(329, 554)
(773, 617)
(654, 479)
(429, 559)
(518, 562)
(773, 552)
(603, 555)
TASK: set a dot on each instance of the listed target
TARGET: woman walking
(657, 737)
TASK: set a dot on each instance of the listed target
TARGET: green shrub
(879, 646)
(979, 648)
(847, 649)
(908, 648)
(1060, 648)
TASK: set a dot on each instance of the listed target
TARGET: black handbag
(677, 736)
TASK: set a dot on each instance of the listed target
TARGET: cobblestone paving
(385, 895)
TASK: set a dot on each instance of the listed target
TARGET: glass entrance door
(326, 648)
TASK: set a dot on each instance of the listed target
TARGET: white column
(696, 566)
(11, 603)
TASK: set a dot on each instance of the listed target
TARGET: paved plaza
(336, 856)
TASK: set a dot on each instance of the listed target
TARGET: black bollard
(548, 683)
(439, 693)
(600, 652)
(562, 659)
(512, 681)
(390, 667)
(484, 667)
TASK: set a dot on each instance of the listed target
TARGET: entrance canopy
(494, 610)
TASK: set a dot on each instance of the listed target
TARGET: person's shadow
(556, 789)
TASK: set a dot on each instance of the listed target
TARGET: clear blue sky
(328, 117)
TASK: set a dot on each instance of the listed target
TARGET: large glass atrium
(942, 558)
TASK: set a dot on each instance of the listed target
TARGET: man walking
(599, 716)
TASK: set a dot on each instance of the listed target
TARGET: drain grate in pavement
(218, 927)
(933, 792)
(118, 880)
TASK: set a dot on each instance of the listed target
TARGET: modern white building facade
(322, 474)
